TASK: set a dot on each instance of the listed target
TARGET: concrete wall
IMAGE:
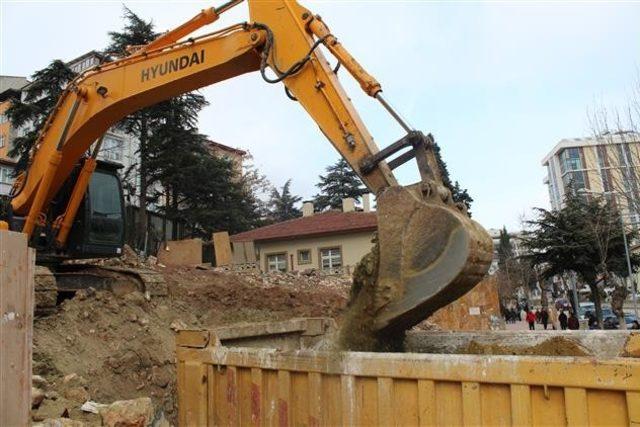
(473, 311)
(181, 252)
(354, 246)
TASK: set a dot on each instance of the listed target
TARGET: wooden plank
(211, 396)
(575, 405)
(610, 374)
(315, 399)
(194, 402)
(257, 401)
(471, 407)
(233, 416)
(284, 398)
(348, 393)
(521, 405)
(16, 328)
(633, 406)
(192, 338)
(427, 403)
(222, 248)
(385, 401)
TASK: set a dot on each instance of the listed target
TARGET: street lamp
(634, 294)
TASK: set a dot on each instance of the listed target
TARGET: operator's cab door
(99, 227)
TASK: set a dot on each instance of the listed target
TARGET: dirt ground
(121, 347)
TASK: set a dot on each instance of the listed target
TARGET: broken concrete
(186, 252)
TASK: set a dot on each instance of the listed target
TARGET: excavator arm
(429, 248)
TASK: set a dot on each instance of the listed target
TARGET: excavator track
(54, 285)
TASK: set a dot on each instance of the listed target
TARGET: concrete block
(181, 252)
(222, 248)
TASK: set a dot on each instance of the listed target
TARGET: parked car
(630, 320)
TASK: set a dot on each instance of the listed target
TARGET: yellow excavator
(71, 205)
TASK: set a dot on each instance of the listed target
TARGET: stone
(74, 379)
(77, 394)
(177, 325)
(61, 422)
(39, 381)
(128, 413)
(37, 396)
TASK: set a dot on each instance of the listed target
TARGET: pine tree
(505, 249)
(340, 182)
(180, 112)
(282, 204)
(584, 237)
(40, 97)
(458, 194)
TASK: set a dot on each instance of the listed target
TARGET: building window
(3, 118)
(5, 175)
(1, 140)
(304, 256)
(570, 160)
(330, 258)
(574, 180)
(112, 148)
(277, 262)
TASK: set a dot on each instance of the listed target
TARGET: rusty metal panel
(270, 387)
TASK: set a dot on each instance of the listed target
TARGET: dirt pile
(554, 346)
(110, 347)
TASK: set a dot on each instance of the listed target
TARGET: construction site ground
(103, 347)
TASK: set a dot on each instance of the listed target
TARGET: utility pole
(634, 292)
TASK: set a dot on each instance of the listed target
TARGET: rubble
(102, 347)
(128, 413)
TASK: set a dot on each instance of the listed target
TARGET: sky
(497, 83)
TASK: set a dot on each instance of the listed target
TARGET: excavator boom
(431, 252)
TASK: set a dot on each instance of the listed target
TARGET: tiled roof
(332, 222)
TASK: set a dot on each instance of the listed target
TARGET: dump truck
(288, 373)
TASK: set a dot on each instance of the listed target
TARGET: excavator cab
(98, 231)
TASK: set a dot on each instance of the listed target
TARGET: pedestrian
(563, 319)
(531, 320)
(573, 323)
(544, 318)
(593, 320)
(553, 317)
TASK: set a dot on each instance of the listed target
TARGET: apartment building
(606, 164)
(10, 87)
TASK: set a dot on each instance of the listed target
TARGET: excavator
(70, 204)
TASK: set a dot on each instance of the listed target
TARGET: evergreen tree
(180, 112)
(505, 249)
(203, 191)
(584, 237)
(340, 182)
(458, 194)
(40, 97)
(282, 204)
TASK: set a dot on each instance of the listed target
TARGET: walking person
(553, 317)
(564, 320)
(531, 320)
(544, 318)
(573, 322)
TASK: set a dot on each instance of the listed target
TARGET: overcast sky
(498, 84)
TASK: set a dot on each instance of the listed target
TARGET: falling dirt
(122, 347)
(357, 332)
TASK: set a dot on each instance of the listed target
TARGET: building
(332, 241)
(10, 87)
(606, 164)
(235, 155)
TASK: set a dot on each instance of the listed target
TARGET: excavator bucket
(431, 254)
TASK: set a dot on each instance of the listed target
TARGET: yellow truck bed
(221, 384)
